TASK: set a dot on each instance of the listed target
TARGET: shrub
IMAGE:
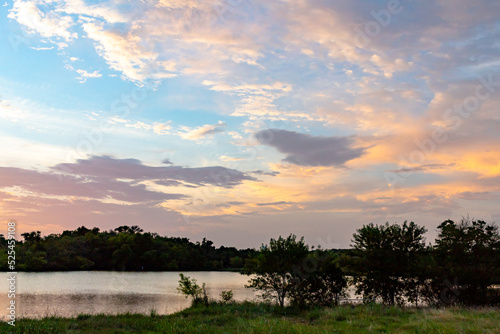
(189, 287)
(227, 296)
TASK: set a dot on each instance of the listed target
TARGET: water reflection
(34, 305)
(72, 293)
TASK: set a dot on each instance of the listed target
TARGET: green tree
(385, 256)
(32, 237)
(320, 281)
(126, 229)
(274, 267)
(189, 288)
(122, 257)
(236, 262)
(468, 261)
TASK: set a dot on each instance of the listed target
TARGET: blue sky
(242, 120)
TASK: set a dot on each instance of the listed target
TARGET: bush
(189, 287)
(227, 296)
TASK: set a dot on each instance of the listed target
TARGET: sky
(242, 120)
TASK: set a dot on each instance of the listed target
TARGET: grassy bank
(262, 318)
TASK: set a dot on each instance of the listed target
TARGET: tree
(320, 281)
(124, 248)
(32, 237)
(385, 256)
(189, 288)
(126, 229)
(274, 267)
(468, 261)
(236, 262)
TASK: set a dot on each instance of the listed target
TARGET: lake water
(72, 293)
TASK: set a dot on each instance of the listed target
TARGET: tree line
(123, 249)
(389, 264)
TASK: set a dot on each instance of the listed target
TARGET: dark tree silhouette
(468, 261)
(384, 257)
(274, 267)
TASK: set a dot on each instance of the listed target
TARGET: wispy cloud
(41, 48)
(84, 75)
(202, 131)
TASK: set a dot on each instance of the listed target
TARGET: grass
(248, 317)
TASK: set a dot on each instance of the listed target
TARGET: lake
(72, 293)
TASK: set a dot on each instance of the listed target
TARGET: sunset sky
(241, 120)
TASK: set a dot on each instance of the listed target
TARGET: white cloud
(41, 48)
(235, 135)
(228, 159)
(84, 75)
(162, 128)
(117, 119)
(78, 7)
(258, 100)
(202, 131)
(46, 23)
(125, 54)
(157, 127)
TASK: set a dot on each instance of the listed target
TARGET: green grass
(262, 318)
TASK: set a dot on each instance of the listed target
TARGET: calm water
(73, 293)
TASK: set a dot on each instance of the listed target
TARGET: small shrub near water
(227, 296)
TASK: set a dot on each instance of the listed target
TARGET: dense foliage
(275, 265)
(392, 264)
(467, 262)
(386, 257)
(388, 263)
(124, 248)
(287, 269)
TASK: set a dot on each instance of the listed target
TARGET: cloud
(229, 204)
(476, 196)
(123, 53)
(308, 150)
(46, 23)
(203, 131)
(292, 61)
(226, 158)
(41, 48)
(79, 7)
(50, 184)
(109, 186)
(260, 172)
(84, 75)
(258, 101)
(235, 135)
(161, 128)
(275, 203)
(110, 168)
(157, 127)
(422, 168)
